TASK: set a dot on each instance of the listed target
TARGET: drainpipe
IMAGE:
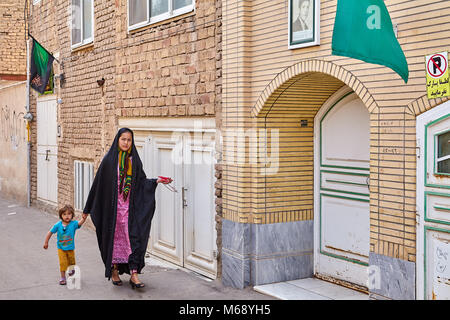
(28, 117)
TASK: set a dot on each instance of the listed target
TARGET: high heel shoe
(136, 285)
(117, 283)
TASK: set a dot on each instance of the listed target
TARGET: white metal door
(166, 237)
(47, 150)
(433, 204)
(183, 229)
(199, 206)
(342, 220)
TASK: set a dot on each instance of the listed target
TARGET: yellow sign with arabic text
(437, 75)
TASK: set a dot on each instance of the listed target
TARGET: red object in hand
(164, 178)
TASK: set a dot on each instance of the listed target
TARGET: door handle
(46, 155)
(183, 189)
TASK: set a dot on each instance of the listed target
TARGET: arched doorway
(324, 157)
(341, 189)
(307, 101)
(278, 223)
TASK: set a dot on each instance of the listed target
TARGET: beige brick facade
(267, 85)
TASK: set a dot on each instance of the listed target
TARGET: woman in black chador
(121, 203)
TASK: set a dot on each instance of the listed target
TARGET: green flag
(363, 30)
(40, 67)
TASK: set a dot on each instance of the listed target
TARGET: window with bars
(84, 176)
(144, 12)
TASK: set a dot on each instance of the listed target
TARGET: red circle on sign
(431, 63)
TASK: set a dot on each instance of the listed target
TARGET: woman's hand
(84, 216)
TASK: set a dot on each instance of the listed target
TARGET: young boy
(66, 239)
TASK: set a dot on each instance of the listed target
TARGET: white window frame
(164, 16)
(436, 151)
(88, 40)
(82, 182)
(316, 27)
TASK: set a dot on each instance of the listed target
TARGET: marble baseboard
(236, 237)
(374, 296)
(255, 254)
(235, 270)
(286, 237)
(397, 278)
(280, 269)
(236, 254)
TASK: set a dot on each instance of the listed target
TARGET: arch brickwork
(315, 66)
(422, 104)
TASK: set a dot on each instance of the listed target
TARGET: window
(443, 153)
(144, 12)
(84, 176)
(82, 22)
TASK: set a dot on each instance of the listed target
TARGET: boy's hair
(65, 209)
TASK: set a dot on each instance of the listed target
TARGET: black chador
(102, 206)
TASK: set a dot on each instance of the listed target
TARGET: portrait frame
(304, 24)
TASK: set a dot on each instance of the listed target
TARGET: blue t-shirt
(66, 234)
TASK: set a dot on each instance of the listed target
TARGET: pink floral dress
(121, 248)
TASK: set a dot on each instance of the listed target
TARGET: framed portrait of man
(304, 24)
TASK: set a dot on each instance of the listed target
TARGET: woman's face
(125, 141)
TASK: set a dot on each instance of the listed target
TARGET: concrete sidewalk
(30, 272)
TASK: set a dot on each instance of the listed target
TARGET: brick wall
(12, 38)
(169, 69)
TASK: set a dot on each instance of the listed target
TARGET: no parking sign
(437, 75)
